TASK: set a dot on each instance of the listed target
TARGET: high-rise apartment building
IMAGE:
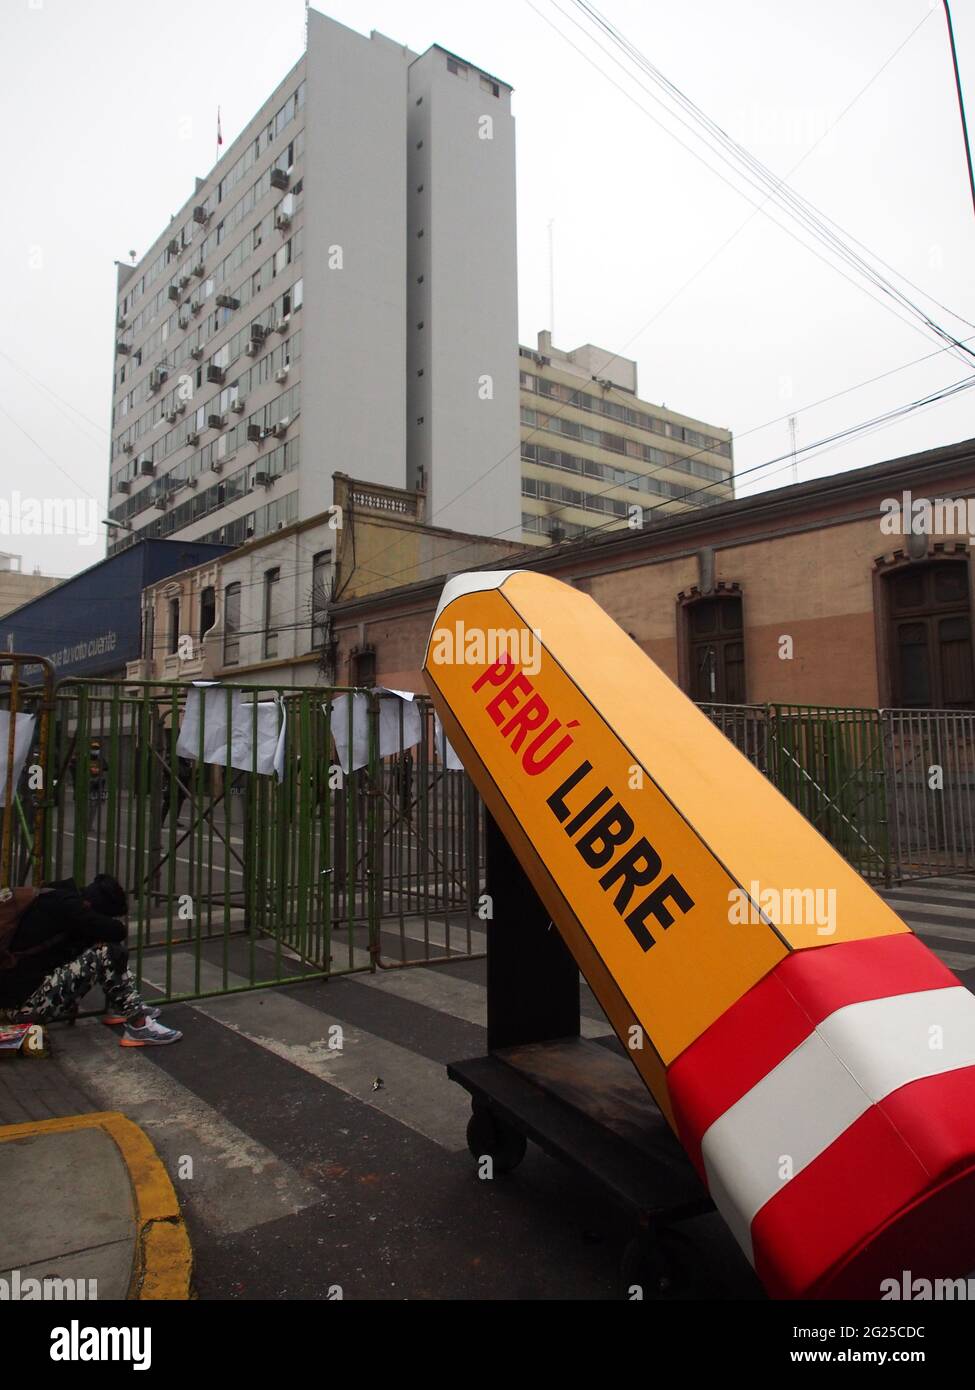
(592, 450)
(338, 294)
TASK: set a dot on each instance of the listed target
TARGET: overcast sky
(109, 110)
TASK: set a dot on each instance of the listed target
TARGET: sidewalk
(89, 1205)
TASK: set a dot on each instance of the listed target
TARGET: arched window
(208, 609)
(231, 625)
(929, 635)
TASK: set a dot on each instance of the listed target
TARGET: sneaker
(151, 1034)
(113, 1020)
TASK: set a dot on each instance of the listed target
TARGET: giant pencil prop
(820, 1074)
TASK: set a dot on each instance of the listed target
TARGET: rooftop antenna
(794, 473)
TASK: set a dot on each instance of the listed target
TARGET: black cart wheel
(661, 1267)
(487, 1136)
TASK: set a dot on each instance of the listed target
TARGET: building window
(271, 581)
(362, 667)
(715, 646)
(173, 626)
(150, 633)
(458, 69)
(231, 625)
(929, 632)
(208, 609)
(321, 571)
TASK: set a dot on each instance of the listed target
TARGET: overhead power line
(744, 168)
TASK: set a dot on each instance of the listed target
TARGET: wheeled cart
(581, 1102)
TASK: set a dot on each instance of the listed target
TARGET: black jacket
(59, 920)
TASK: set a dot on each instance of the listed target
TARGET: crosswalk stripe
(415, 1090)
(944, 929)
(463, 999)
(955, 960)
(461, 940)
(237, 1183)
(927, 907)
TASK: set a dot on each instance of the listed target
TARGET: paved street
(304, 1177)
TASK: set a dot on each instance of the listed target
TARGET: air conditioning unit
(195, 306)
(252, 348)
(216, 466)
(281, 427)
(192, 482)
(196, 353)
(258, 332)
(121, 323)
(254, 433)
(281, 375)
(263, 479)
(199, 270)
(147, 468)
(173, 248)
(171, 418)
(161, 502)
(183, 322)
(215, 375)
(127, 447)
(184, 280)
(181, 408)
(200, 215)
(192, 437)
(216, 422)
(173, 292)
(283, 324)
(123, 485)
(238, 405)
(227, 301)
(280, 178)
(282, 220)
(155, 380)
(123, 348)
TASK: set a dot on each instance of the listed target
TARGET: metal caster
(489, 1137)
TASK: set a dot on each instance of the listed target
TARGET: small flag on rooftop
(219, 132)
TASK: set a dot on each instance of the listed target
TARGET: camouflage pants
(105, 965)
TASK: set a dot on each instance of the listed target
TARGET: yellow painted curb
(163, 1260)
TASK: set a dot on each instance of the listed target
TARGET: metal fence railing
(892, 790)
(247, 860)
(431, 832)
(930, 761)
(256, 851)
(261, 834)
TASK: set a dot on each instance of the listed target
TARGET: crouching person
(57, 942)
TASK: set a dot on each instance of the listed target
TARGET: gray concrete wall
(467, 445)
(353, 408)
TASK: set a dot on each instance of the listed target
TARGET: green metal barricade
(26, 701)
(239, 876)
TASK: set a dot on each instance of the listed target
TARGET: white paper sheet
(392, 704)
(208, 703)
(445, 750)
(23, 736)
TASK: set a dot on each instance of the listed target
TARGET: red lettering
(532, 763)
(532, 714)
(496, 674)
(519, 683)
